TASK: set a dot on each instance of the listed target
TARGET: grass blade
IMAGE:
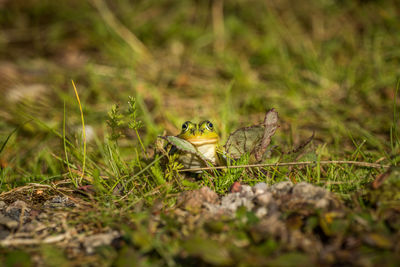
(8, 138)
(83, 132)
(66, 153)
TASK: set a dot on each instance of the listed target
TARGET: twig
(356, 163)
(21, 216)
(17, 189)
(28, 242)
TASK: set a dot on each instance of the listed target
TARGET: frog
(205, 139)
(196, 146)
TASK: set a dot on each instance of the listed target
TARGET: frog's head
(199, 134)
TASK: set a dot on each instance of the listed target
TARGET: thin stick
(357, 163)
(29, 242)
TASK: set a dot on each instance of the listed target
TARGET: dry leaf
(270, 125)
(254, 139)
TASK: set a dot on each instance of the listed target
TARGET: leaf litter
(252, 225)
(286, 216)
(36, 215)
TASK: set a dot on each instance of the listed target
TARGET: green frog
(205, 139)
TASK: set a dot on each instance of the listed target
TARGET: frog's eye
(209, 125)
(185, 126)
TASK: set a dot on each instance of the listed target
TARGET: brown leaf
(254, 139)
(270, 125)
(243, 141)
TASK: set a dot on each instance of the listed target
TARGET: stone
(261, 212)
(246, 191)
(281, 188)
(14, 210)
(322, 203)
(308, 191)
(59, 202)
(231, 202)
(264, 199)
(8, 222)
(260, 188)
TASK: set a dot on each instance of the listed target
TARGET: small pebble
(264, 199)
(233, 201)
(246, 191)
(14, 210)
(8, 222)
(59, 202)
(281, 188)
(308, 191)
(260, 188)
(323, 203)
(261, 212)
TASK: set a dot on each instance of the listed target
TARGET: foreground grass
(329, 68)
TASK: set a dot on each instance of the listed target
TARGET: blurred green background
(326, 66)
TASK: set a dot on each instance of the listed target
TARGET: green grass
(329, 67)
